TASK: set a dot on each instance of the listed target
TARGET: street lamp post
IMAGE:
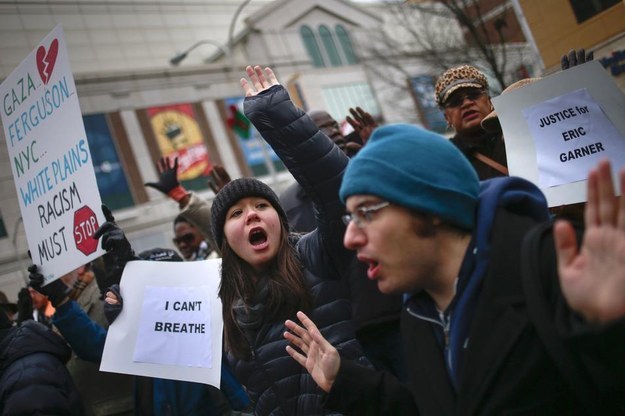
(230, 53)
(263, 147)
(179, 57)
(233, 21)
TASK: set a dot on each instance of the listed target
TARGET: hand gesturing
(362, 122)
(593, 277)
(317, 355)
(260, 79)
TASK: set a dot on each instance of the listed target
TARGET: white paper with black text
(521, 150)
(170, 325)
(571, 134)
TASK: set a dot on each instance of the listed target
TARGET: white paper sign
(160, 293)
(175, 325)
(50, 159)
(571, 135)
(522, 149)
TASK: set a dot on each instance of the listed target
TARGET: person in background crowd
(462, 94)
(190, 203)
(103, 393)
(504, 314)
(190, 241)
(42, 308)
(33, 377)
(297, 205)
(9, 308)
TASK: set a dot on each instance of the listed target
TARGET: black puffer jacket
(276, 383)
(33, 377)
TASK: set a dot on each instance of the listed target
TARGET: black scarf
(482, 143)
(250, 317)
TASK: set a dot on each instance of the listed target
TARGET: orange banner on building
(178, 135)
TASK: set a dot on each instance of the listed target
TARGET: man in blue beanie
(493, 322)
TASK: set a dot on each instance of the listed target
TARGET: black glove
(107, 272)
(114, 240)
(24, 305)
(575, 58)
(111, 312)
(56, 291)
(168, 176)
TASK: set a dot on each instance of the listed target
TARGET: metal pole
(263, 146)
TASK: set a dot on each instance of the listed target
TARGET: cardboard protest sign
(558, 128)
(171, 324)
(50, 159)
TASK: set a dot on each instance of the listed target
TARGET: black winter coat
(370, 308)
(33, 377)
(488, 144)
(276, 383)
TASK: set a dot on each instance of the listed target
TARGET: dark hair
(181, 218)
(288, 292)
(428, 225)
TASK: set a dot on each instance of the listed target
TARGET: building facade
(560, 25)
(137, 107)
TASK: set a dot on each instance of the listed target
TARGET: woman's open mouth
(258, 238)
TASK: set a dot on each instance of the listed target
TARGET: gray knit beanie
(232, 193)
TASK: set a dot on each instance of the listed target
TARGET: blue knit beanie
(415, 169)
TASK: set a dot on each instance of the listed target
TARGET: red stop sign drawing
(85, 225)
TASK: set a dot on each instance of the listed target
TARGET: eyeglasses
(363, 215)
(185, 238)
(458, 98)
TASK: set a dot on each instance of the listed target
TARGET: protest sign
(171, 324)
(50, 160)
(556, 129)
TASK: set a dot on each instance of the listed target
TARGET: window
(339, 99)
(585, 9)
(109, 173)
(423, 92)
(312, 47)
(330, 53)
(346, 45)
(329, 45)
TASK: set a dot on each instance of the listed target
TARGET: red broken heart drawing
(46, 61)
